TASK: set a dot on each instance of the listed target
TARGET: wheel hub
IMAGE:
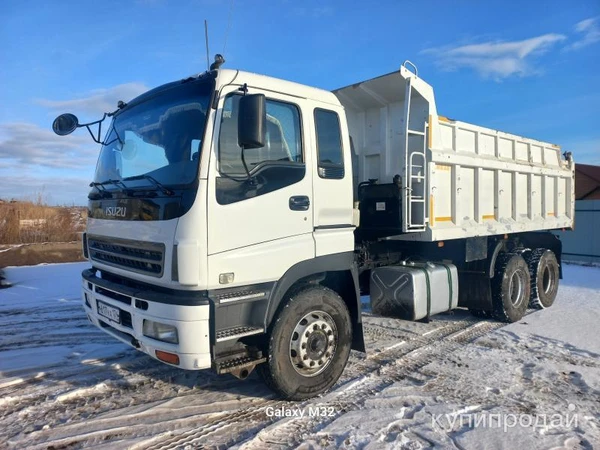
(313, 343)
(316, 344)
(548, 280)
(516, 287)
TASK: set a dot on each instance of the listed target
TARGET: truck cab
(196, 244)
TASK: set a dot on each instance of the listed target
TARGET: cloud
(34, 160)
(496, 59)
(98, 101)
(29, 145)
(590, 30)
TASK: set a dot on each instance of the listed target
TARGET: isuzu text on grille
(115, 211)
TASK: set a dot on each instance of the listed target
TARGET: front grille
(114, 295)
(141, 257)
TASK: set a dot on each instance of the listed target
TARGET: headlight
(160, 331)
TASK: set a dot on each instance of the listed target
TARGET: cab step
(237, 332)
(240, 366)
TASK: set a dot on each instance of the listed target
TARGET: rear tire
(308, 345)
(544, 272)
(511, 287)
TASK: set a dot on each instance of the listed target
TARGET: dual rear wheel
(511, 287)
(545, 273)
(520, 281)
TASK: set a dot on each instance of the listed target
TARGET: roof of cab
(238, 77)
(226, 76)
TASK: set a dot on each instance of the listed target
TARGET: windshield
(160, 138)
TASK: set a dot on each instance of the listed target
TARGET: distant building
(587, 182)
(583, 243)
(32, 223)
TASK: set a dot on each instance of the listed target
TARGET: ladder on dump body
(415, 163)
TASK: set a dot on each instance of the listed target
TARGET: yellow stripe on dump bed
(489, 216)
(444, 219)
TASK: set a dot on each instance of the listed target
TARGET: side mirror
(252, 119)
(65, 124)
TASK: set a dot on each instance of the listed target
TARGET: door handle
(299, 203)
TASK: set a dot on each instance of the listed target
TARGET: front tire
(545, 273)
(511, 287)
(309, 344)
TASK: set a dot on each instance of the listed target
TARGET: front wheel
(309, 344)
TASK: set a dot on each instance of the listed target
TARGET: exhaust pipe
(243, 372)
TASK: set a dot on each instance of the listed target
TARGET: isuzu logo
(115, 211)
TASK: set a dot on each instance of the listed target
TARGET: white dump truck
(235, 220)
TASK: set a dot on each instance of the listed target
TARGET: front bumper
(190, 315)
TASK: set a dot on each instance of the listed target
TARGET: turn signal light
(167, 357)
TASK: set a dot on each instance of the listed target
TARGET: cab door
(259, 224)
(332, 182)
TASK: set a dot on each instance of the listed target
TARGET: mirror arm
(250, 177)
(96, 138)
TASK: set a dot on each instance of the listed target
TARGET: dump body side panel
(476, 181)
(486, 182)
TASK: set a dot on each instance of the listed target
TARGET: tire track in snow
(360, 383)
(291, 432)
(245, 420)
(201, 426)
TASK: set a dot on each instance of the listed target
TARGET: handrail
(416, 71)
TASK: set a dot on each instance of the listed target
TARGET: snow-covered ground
(456, 382)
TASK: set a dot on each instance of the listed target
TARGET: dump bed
(457, 179)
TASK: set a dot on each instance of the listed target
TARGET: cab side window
(329, 144)
(277, 164)
(283, 137)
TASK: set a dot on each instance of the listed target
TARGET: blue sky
(530, 68)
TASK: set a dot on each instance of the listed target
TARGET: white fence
(583, 243)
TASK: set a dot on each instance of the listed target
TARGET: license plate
(109, 312)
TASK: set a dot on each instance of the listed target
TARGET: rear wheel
(309, 344)
(544, 273)
(510, 287)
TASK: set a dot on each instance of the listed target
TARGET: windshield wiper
(101, 184)
(103, 192)
(165, 190)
